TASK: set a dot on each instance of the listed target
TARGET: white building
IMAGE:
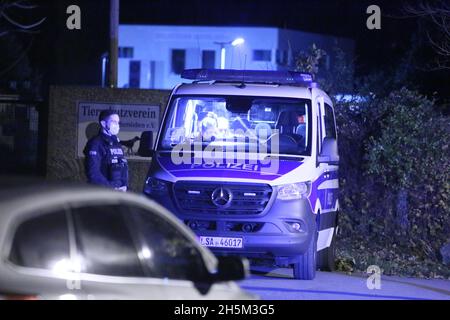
(153, 56)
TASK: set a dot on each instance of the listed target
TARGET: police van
(249, 161)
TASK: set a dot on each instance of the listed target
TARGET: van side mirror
(232, 268)
(146, 144)
(329, 153)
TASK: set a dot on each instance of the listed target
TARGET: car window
(330, 128)
(104, 242)
(41, 242)
(166, 251)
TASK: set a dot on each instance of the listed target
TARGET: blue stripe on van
(322, 194)
(244, 170)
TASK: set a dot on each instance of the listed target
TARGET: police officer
(105, 162)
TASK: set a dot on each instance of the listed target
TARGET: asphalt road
(278, 284)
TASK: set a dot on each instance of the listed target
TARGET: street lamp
(234, 43)
(237, 42)
(104, 64)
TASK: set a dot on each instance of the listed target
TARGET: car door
(329, 131)
(327, 187)
(129, 252)
(169, 254)
(110, 264)
(321, 171)
(325, 128)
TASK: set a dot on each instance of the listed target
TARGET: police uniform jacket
(105, 163)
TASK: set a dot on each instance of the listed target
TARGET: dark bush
(395, 191)
(394, 173)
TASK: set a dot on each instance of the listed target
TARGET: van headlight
(155, 186)
(293, 191)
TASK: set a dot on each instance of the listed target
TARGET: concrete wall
(62, 160)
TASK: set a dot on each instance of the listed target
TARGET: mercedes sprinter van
(249, 161)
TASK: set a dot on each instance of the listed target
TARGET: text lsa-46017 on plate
(221, 242)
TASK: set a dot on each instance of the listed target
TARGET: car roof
(20, 193)
(14, 187)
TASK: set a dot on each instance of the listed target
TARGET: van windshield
(251, 124)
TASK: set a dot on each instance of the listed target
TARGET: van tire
(305, 269)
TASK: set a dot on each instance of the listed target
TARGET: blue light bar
(258, 76)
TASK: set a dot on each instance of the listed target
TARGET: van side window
(330, 124)
(319, 128)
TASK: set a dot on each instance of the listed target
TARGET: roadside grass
(355, 256)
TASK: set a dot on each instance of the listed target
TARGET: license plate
(221, 242)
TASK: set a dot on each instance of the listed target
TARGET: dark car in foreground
(81, 242)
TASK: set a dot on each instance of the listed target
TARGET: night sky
(375, 49)
(73, 57)
(338, 17)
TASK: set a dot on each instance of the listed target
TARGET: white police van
(249, 161)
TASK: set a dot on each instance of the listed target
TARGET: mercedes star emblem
(221, 197)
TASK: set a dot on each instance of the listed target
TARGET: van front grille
(238, 199)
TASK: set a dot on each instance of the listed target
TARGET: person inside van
(301, 127)
(208, 128)
(223, 126)
(291, 122)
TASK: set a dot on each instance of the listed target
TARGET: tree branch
(23, 26)
(19, 4)
(3, 33)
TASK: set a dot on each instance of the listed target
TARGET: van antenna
(242, 85)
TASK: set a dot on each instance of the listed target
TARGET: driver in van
(301, 127)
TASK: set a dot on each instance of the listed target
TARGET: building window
(208, 59)
(262, 55)
(282, 57)
(126, 52)
(135, 74)
(178, 60)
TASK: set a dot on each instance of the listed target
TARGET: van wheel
(305, 269)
